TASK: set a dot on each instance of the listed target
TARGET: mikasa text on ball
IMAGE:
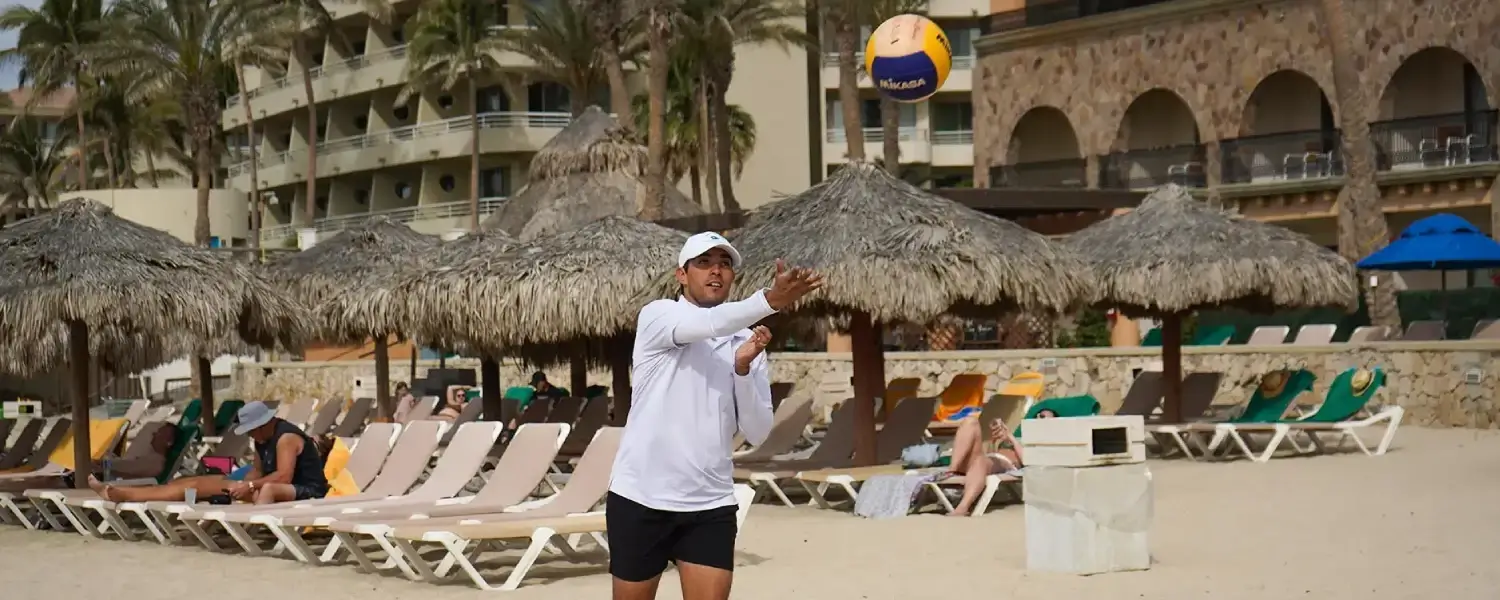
(908, 57)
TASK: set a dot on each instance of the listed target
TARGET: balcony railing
(831, 59)
(1061, 173)
(491, 120)
(1134, 169)
(952, 138)
(407, 214)
(873, 135)
(1435, 141)
(295, 77)
(1046, 13)
(1306, 154)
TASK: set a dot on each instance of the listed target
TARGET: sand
(1422, 521)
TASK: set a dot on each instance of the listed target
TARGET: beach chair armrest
(139, 481)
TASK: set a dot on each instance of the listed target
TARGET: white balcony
(918, 145)
(499, 132)
(431, 219)
(295, 77)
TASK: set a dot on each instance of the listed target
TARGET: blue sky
(7, 40)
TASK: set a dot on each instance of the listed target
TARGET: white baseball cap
(701, 243)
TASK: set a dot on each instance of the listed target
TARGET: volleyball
(908, 57)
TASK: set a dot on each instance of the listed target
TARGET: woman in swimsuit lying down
(976, 456)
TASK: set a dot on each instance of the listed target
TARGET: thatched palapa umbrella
(592, 169)
(82, 268)
(402, 301)
(1175, 255)
(891, 252)
(342, 269)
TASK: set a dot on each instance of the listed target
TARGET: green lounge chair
(1069, 406)
(1337, 414)
(1260, 409)
(1213, 336)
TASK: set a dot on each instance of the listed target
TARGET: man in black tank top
(288, 465)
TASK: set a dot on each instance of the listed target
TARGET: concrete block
(1089, 520)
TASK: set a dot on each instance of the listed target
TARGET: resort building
(410, 161)
(1234, 98)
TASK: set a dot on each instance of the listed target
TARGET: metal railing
(490, 120)
(1060, 173)
(1036, 14)
(873, 135)
(1308, 154)
(407, 214)
(1134, 169)
(295, 77)
(952, 138)
(1435, 141)
(831, 59)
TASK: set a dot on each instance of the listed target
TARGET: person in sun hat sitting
(287, 466)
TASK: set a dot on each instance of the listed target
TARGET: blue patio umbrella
(1441, 242)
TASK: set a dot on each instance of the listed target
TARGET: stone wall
(1432, 380)
(1211, 53)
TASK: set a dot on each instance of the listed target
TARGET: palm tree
(261, 58)
(563, 45)
(316, 13)
(684, 129)
(177, 47)
(1361, 222)
(453, 40)
(33, 167)
(842, 19)
(714, 28)
(617, 30)
(873, 14)
(50, 47)
(659, 25)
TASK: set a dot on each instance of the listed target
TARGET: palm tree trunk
(578, 100)
(151, 169)
(83, 155)
(203, 144)
(706, 142)
(658, 63)
(697, 178)
(473, 154)
(847, 37)
(239, 73)
(1361, 222)
(890, 135)
(723, 143)
(109, 163)
(619, 94)
(310, 210)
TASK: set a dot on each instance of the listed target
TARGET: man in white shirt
(699, 375)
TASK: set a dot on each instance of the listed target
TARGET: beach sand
(1422, 521)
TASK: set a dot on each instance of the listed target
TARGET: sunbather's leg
(971, 461)
(272, 493)
(207, 485)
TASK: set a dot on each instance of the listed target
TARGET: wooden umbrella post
(578, 375)
(869, 384)
(206, 384)
(489, 392)
(1171, 366)
(619, 370)
(383, 378)
(78, 359)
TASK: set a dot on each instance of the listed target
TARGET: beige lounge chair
(354, 419)
(906, 426)
(583, 493)
(365, 458)
(835, 449)
(787, 429)
(1315, 335)
(1268, 335)
(595, 415)
(470, 413)
(1486, 329)
(1369, 333)
(298, 413)
(565, 410)
(455, 467)
(1425, 331)
(424, 409)
(403, 467)
(324, 419)
(19, 450)
(994, 481)
(514, 480)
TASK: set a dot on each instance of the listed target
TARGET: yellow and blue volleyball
(908, 57)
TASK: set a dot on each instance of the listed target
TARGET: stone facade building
(1235, 97)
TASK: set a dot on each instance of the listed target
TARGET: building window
(362, 197)
(322, 202)
(362, 122)
(961, 39)
(398, 33)
(447, 182)
(869, 113)
(494, 182)
(358, 47)
(547, 96)
(401, 112)
(494, 99)
(445, 101)
(403, 190)
(952, 116)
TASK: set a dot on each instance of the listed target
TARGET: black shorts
(642, 539)
(307, 492)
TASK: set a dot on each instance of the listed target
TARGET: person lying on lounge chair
(146, 456)
(976, 457)
(287, 466)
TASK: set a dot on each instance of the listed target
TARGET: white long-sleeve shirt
(687, 402)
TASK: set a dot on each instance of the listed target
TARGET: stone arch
(1156, 118)
(1285, 101)
(1435, 80)
(1287, 129)
(1043, 150)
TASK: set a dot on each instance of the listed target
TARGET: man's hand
(760, 337)
(791, 285)
(240, 490)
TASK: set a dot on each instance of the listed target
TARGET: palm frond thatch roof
(592, 169)
(340, 270)
(133, 284)
(389, 299)
(559, 290)
(899, 253)
(1175, 254)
